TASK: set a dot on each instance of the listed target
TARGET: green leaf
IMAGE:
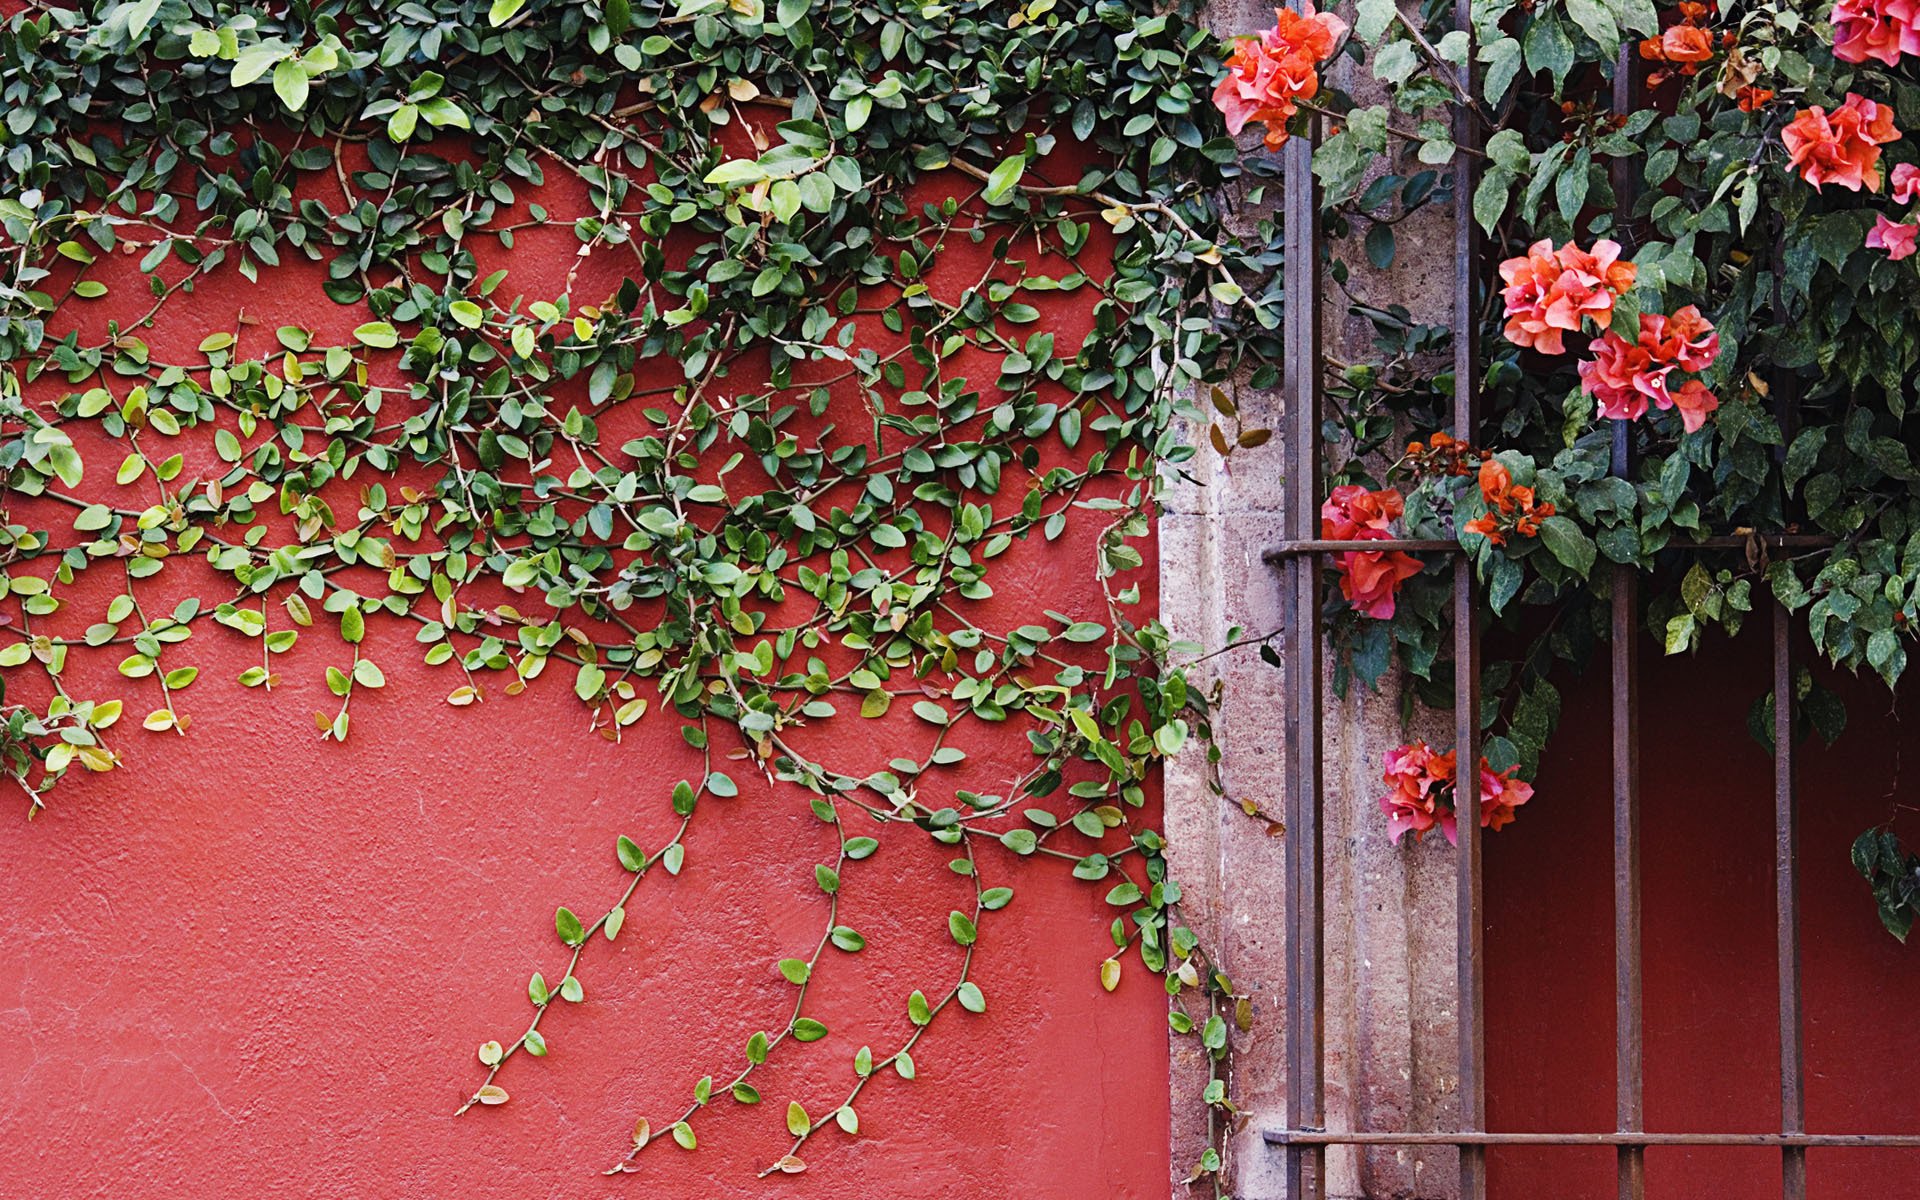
(632, 857)
(1004, 178)
(290, 83)
(797, 1122)
(378, 334)
(1568, 543)
(569, 927)
(503, 11)
(961, 927)
(796, 970)
(806, 1029)
(971, 998)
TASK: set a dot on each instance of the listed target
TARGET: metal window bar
(1305, 1138)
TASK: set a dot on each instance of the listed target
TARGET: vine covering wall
(750, 466)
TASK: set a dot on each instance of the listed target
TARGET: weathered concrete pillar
(1389, 911)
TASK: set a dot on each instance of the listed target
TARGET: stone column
(1389, 911)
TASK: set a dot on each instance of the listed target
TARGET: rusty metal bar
(1731, 541)
(1786, 884)
(1302, 379)
(1799, 1141)
(1470, 964)
(1793, 1115)
(1630, 1162)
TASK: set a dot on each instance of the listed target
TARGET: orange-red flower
(1442, 455)
(1752, 98)
(1424, 793)
(1882, 29)
(1368, 578)
(1422, 783)
(1686, 44)
(1550, 292)
(1686, 338)
(1694, 403)
(1500, 794)
(1511, 510)
(1269, 73)
(1843, 146)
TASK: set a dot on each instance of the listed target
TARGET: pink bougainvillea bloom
(1550, 292)
(1500, 794)
(1268, 74)
(1368, 578)
(1895, 237)
(1906, 182)
(1624, 376)
(1882, 29)
(1843, 146)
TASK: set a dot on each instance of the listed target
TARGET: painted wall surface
(1709, 966)
(253, 964)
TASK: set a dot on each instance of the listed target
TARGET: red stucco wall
(255, 964)
(1712, 1052)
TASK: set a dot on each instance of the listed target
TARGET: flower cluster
(1368, 578)
(1550, 292)
(1897, 237)
(1422, 795)
(1440, 456)
(1842, 146)
(1511, 511)
(1684, 46)
(1624, 377)
(1269, 74)
(1882, 29)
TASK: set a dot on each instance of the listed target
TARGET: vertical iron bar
(1793, 1116)
(1786, 886)
(1628, 1030)
(1301, 388)
(1470, 964)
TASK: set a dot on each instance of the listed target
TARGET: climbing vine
(741, 459)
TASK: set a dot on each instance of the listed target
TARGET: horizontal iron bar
(1321, 1137)
(1291, 548)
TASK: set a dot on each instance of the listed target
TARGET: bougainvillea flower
(1423, 795)
(1882, 29)
(1694, 403)
(1843, 146)
(1511, 510)
(1895, 237)
(1500, 794)
(1549, 292)
(1624, 376)
(1686, 44)
(1419, 801)
(1354, 512)
(1686, 338)
(1906, 182)
(1267, 75)
(1369, 579)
